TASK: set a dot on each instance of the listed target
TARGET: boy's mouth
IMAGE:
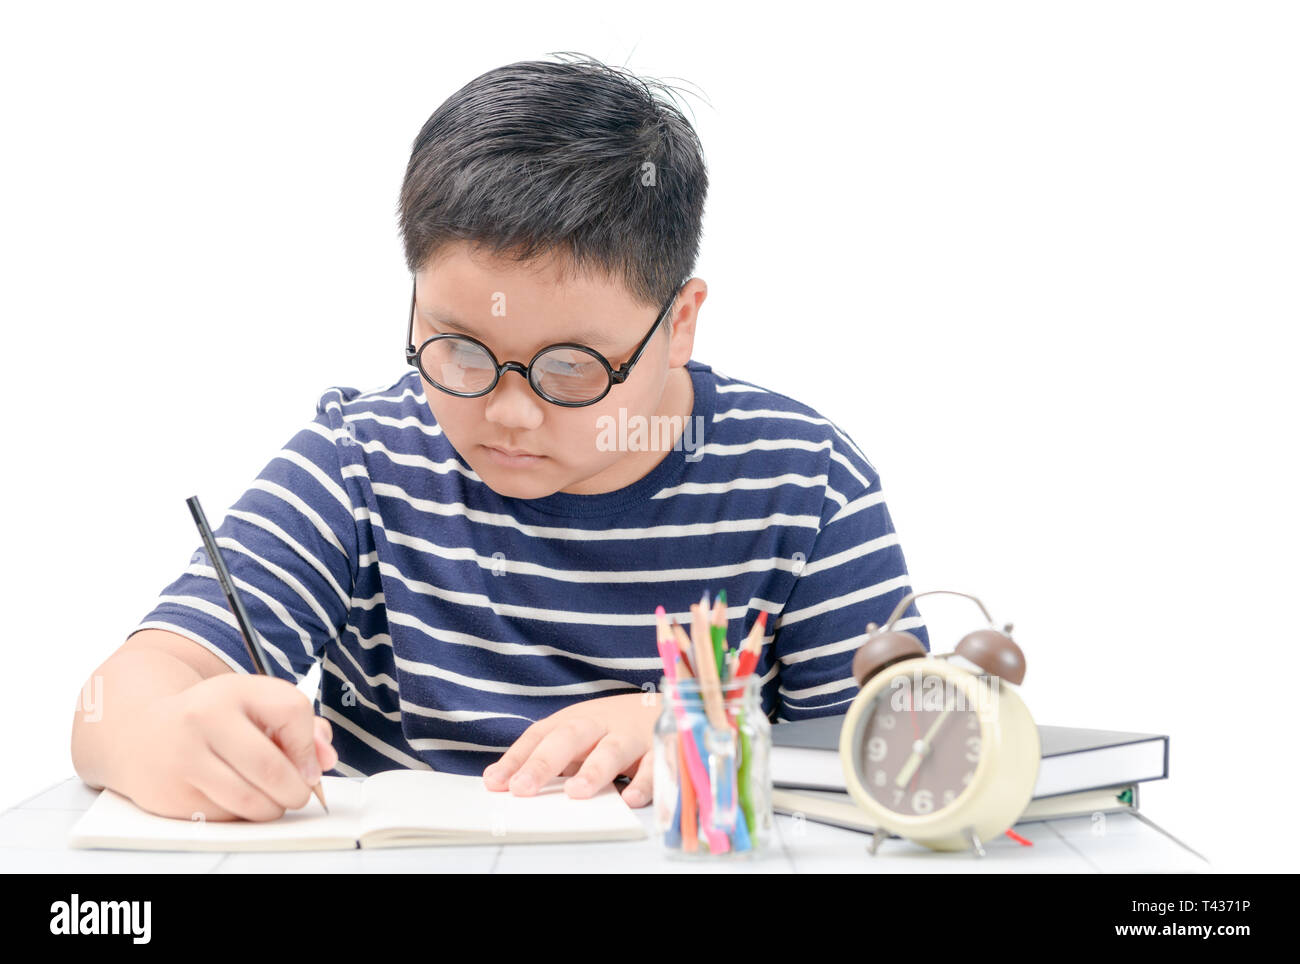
(513, 459)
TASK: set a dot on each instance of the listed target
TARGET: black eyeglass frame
(615, 376)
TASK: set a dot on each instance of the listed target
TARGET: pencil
(706, 666)
(683, 643)
(718, 631)
(255, 651)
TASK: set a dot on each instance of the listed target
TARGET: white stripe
(835, 686)
(851, 444)
(711, 488)
(496, 686)
(568, 534)
(432, 743)
(458, 509)
(406, 421)
(848, 555)
(305, 508)
(376, 744)
(603, 577)
(348, 771)
(273, 604)
(857, 505)
(399, 458)
(839, 602)
(369, 642)
(744, 413)
(820, 706)
(223, 614)
(738, 386)
(853, 643)
(372, 681)
(193, 637)
(271, 529)
(405, 705)
(378, 394)
(458, 716)
(765, 445)
(317, 473)
(529, 612)
(834, 496)
(629, 663)
(289, 579)
(866, 483)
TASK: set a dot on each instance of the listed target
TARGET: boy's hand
(599, 738)
(233, 746)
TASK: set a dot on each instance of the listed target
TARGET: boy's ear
(681, 321)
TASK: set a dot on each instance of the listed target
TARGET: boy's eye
(567, 364)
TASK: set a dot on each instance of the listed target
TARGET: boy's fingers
(612, 755)
(572, 738)
(282, 712)
(226, 787)
(641, 790)
(262, 762)
(497, 776)
(325, 753)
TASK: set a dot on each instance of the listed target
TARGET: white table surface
(33, 839)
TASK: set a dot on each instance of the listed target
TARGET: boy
(474, 553)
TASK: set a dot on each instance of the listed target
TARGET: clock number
(888, 722)
(876, 748)
(967, 777)
(948, 797)
(880, 778)
(922, 801)
(898, 796)
(973, 749)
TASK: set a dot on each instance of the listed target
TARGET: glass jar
(712, 787)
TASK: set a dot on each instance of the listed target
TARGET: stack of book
(1082, 772)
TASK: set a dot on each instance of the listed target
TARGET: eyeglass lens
(564, 374)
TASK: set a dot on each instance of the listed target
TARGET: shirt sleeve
(855, 574)
(290, 545)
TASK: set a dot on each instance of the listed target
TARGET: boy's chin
(518, 483)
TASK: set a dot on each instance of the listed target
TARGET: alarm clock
(939, 749)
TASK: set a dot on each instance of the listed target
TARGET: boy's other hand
(235, 746)
(600, 739)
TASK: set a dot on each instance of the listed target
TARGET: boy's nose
(514, 403)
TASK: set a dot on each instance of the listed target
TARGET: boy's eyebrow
(583, 336)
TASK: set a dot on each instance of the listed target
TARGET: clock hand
(920, 748)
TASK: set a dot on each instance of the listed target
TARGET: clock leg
(973, 838)
(879, 835)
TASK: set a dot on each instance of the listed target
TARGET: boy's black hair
(538, 158)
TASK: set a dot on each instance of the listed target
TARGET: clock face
(920, 745)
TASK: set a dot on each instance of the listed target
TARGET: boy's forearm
(103, 744)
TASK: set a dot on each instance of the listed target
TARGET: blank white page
(455, 803)
(114, 821)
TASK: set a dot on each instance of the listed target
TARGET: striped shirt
(447, 618)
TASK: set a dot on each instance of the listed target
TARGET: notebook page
(114, 821)
(454, 803)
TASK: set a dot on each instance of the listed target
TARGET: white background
(1054, 246)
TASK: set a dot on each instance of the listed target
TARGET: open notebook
(396, 808)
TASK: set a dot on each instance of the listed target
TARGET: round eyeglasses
(565, 374)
